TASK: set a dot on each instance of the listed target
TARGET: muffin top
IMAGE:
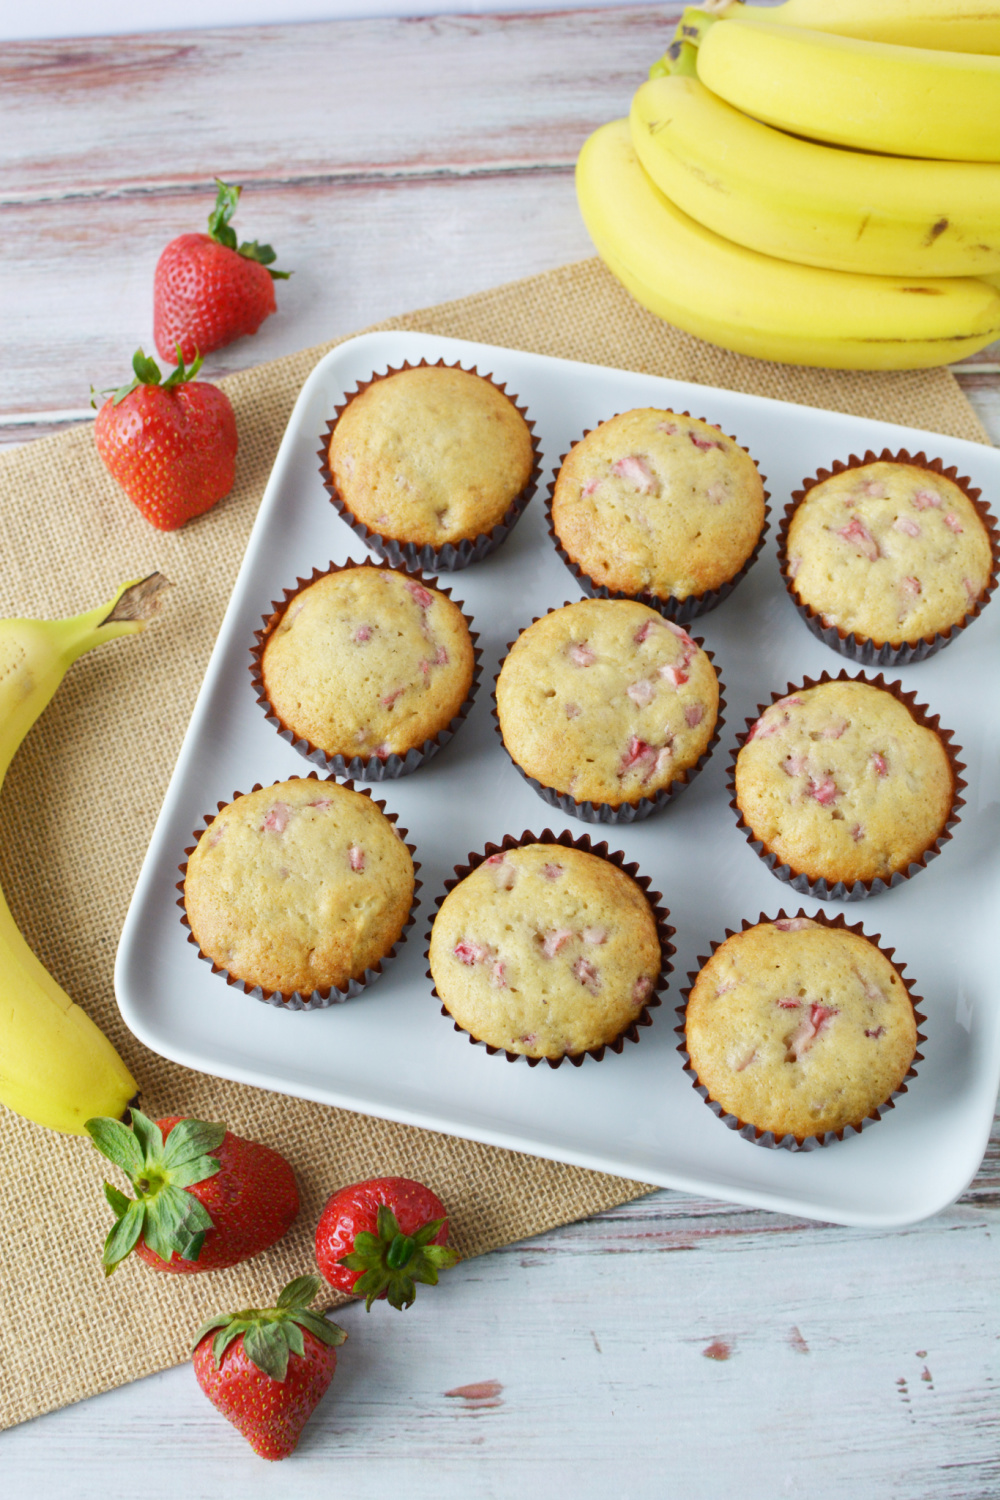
(368, 662)
(842, 783)
(606, 701)
(889, 552)
(545, 951)
(430, 455)
(799, 1028)
(299, 886)
(655, 503)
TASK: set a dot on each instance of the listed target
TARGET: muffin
(887, 555)
(546, 951)
(363, 664)
(432, 457)
(606, 703)
(799, 1030)
(300, 887)
(661, 506)
(846, 781)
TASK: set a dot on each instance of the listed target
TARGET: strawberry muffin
(799, 1030)
(842, 783)
(299, 887)
(890, 553)
(607, 703)
(366, 663)
(545, 951)
(661, 506)
(430, 456)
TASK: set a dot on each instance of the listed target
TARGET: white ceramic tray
(390, 1052)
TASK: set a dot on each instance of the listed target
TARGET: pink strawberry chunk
(441, 657)
(906, 526)
(693, 714)
(641, 692)
(745, 1061)
(674, 675)
(580, 654)
(552, 872)
(670, 428)
(362, 634)
(794, 765)
(276, 818)
(953, 523)
(419, 593)
(794, 924)
(587, 975)
(910, 588)
(794, 564)
(390, 698)
(824, 791)
(879, 762)
(589, 488)
(704, 443)
(788, 1003)
(835, 729)
(357, 857)
(857, 833)
(573, 710)
(926, 500)
(468, 952)
(554, 939)
(595, 936)
(809, 1028)
(641, 988)
(876, 1032)
(856, 533)
(322, 803)
(498, 975)
(637, 471)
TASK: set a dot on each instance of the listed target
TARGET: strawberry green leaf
(115, 1141)
(187, 1173)
(225, 206)
(147, 1132)
(320, 1328)
(178, 376)
(266, 1347)
(392, 1262)
(263, 254)
(293, 1337)
(123, 1237)
(225, 1337)
(118, 1201)
(221, 1320)
(299, 1293)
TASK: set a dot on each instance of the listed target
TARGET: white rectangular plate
(390, 1052)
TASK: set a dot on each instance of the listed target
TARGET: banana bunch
(56, 1067)
(813, 182)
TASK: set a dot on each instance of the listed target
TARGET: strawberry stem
(219, 229)
(270, 1334)
(392, 1262)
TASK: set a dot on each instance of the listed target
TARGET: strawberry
(171, 447)
(205, 1198)
(378, 1238)
(266, 1368)
(208, 291)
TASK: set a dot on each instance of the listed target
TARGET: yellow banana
(902, 101)
(954, 25)
(56, 1067)
(757, 305)
(819, 205)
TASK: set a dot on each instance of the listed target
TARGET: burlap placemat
(83, 793)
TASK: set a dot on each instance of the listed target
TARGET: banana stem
(680, 56)
(132, 607)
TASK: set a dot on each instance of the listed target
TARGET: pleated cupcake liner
(316, 999)
(860, 648)
(681, 611)
(607, 812)
(358, 767)
(767, 1138)
(664, 933)
(414, 555)
(856, 890)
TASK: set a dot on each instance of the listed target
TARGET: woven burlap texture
(83, 793)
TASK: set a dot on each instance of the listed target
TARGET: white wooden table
(676, 1346)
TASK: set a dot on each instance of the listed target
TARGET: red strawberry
(207, 291)
(205, 1198)
(377, 1238)
(266, 1368)
(171, 447)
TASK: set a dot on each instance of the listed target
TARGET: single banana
(754, 304)
(818, 205)
(902, 101)
(56, 1067)
(953, 25)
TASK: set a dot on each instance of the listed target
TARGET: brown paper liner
(359, 767)
(663, 931)
(861, 648)
(856, 890)
(608, 812)
(317, 999)
(411, 555)
(678, 610)
(789, 1142)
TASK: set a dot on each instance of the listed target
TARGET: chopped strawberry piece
(276, 818)
(589, 488)
(390, 698)
(877, 1032)
(872, 991)
(641, 692)
(794, 564)
(856, 533)
(788, 1004)
(971, 591)
(745, 1061)
(468, 952)
(857, 833)
(693, 714)
(528, 1040)
(498, 975)
(643, 631)
(926, 500)
(641, 988)
(716, 494)
(879, 762)
(823, 791)
(357, 857)
(419, 593)
(668, 427)
(639, 753)
(552, 872)
(495, 859)
(953, 523)
(573, 710)
(504, 873)
(425, 669)
(322, 803)
(580, 654)
(905, 525)
(554, 939)
(441, 657)
(595, 936)
(362, 634)
(382, 751)
(587, 975)
(808, 1030)
(794, 924)
(789, 702)
(910, 588)
(663, 760)
(674, 675)
(794, 765)
(875, 488)
(835, 729)
(637, 471)
(725, 988)
(704, 443)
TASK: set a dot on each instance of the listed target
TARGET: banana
(954, 25)
(757, 305)
(818, 205)
(56, 1067)
(902, 101)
